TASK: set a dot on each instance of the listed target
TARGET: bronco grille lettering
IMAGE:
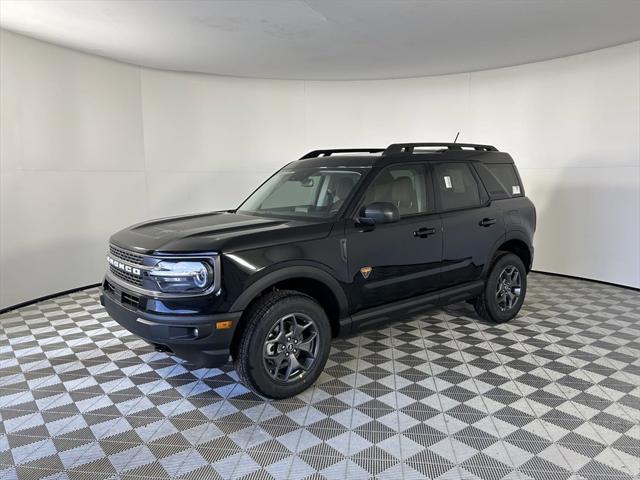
(123, 267)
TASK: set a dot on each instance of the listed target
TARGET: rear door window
(456, 185)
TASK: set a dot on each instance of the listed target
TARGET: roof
(408, 152)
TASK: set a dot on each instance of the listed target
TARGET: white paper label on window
(515, 190)
(447, 181)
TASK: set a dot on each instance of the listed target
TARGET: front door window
(402, 185)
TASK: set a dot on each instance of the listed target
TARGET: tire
(493, 304)
(267, 349)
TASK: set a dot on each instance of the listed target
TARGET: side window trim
(432, 206)
(485, 198)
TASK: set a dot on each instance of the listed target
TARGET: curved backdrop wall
(89, 146)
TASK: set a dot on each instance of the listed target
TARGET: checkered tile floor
(552, 395)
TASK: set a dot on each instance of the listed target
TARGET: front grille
(125, 255)
(126, 276)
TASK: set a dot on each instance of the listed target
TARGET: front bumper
(191, 337)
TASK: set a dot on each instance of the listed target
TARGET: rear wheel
(285, 344)
(504, 290)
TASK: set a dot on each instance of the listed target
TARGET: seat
(403, 195)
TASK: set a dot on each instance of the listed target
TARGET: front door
(472, 226)
(393, 261)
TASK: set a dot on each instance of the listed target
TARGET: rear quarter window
(500, 179)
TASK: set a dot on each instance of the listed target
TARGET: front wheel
(285, 344)
(504, 290)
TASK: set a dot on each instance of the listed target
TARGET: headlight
(177, 276)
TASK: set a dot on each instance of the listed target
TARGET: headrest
(344, 186)
(402, 190)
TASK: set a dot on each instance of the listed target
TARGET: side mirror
(379, 212)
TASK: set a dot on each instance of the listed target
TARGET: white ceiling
(327, 39)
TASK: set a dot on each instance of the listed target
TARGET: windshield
(304, 192)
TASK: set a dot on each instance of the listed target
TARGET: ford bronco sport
(331, 244)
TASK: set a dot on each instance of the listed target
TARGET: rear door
(472, 226)
(394, 261)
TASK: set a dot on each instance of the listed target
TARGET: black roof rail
(326, 153)
(408, 147)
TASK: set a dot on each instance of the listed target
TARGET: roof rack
(326, 153)
(408, 147)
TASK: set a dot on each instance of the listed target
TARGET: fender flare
(511, 235)
(287, 273)
(494, 248)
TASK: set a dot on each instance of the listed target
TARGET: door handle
(487, 222)
(424, 232)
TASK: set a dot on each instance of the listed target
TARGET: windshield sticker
(447, 181)
(515, 190)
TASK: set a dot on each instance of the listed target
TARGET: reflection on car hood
(214, 231)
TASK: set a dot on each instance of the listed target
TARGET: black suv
(331, 244)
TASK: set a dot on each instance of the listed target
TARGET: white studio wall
(89, 146)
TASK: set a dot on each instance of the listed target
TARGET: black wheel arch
(517, 243)
(309, 280)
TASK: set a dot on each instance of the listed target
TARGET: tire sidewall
(254, 361)
(491, 301)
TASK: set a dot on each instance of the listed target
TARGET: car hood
(214, 232)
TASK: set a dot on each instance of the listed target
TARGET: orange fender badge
(366, 271)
